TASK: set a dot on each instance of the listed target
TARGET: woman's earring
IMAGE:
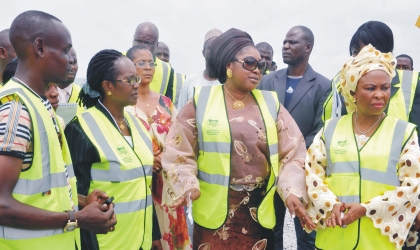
(229, 73)
(109, 92)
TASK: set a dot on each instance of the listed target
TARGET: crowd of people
(142, 157)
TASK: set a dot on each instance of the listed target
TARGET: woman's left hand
(354, 212)
(296, 208)
(157, 165)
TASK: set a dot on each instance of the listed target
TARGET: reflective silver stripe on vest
(133, 206)
(272, 108)
(11, 233)
(216, 147)
(179, 79)
(114, 174)
(213, 178)
(165, 70)
(70, 170)
(349, 199)
(336, 102)
(328, 134)
(146, 139)
(406, 83)
(201, 105)
(49, 181)
(389, 177)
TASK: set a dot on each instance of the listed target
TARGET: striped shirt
(16, 129)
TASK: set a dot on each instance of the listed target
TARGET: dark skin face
(404, 63)
(162, 52)
(56, 60)
(267, 56)
(74, 66)
(295, 47)
(146, 36)
(147, 72)
(52, 95)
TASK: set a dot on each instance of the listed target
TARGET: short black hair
(29, 25)
(132, 50)
(407, 56)
(9, 70)
(4, 39)
(264, 45)
(101, 67)
(376, 33)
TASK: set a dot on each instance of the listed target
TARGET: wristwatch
(72, 222)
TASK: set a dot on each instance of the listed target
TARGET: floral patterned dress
(172, 223)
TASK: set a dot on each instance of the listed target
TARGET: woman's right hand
(184, 199)
(335, 218)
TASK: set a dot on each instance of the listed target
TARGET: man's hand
(296, 208)
(97, 218)
(95, 195)
(183, 200)
(354, 212)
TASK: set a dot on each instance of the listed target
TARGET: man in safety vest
(39, 206)
(266, 53)
(405, 93)
(404, 62)
(7, 53)
(162, 52)
(163, 81)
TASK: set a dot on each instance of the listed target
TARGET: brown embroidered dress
(249, 172)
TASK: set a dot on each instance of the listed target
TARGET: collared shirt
(64, 94)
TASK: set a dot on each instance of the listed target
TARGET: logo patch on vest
(341, 146)
(213, 126)
(123, 153)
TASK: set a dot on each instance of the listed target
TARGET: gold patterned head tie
(367, 60)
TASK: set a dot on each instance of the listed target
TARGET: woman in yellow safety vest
(363, 169)
(157, 112)
(112, 151)
(231, 149)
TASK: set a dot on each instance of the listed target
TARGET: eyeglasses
(145, 64)
(132, 80)
(250, 63)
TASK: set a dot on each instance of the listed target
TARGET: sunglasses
(132, 80)
(250, 63)
(145, 64)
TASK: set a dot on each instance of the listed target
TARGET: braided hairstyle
(101, 67)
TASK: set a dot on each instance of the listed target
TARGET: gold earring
(109, 92)
(229, 73)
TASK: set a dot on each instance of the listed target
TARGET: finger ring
(344, 226)
(303, 217)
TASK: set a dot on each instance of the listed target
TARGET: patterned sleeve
(394, 211)
(292, 152)
(322, 199)
(179, 156)
(15, 129)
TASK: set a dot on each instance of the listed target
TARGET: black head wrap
(223, 49)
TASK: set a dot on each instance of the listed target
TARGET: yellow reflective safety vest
(160, 81)
(47, 174)
(124, 172)
(400, 103)
(75, 91)
(179, 80)
(355, 175)
(215, 144)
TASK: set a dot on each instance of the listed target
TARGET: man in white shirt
(201, 78)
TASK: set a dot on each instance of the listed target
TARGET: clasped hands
(351, 213)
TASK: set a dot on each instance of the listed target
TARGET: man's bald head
(146, 34)
(162, 52)
(5, 41)
(306, 34)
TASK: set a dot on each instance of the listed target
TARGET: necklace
(363, 134)
(237, 104)
(120, 124)
(147, 103)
